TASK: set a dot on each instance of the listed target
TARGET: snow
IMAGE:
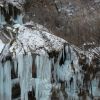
(35, 40)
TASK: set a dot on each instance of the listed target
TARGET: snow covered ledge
(36, 39)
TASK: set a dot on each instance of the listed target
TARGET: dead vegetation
(78, 23)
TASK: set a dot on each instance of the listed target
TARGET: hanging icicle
(43, 81)
(1, 82)
(7, 81)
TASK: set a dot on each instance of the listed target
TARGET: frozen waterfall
(37, 65)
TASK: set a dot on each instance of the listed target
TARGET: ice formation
(44, 74)
(1, 46)
(37, 65)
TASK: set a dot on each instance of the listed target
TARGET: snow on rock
(36, 40)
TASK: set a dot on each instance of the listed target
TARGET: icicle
(6, 9)
(20, 74)
(15, 81)
(37, 89)
(43, 81)
(15, 65)
(2, 20)
(20, 65)
(43, 67)
(13, 12)
(1, 83)
(7, 80)
(25, 74)
(19, 19)
(28, 73)
(0, 16)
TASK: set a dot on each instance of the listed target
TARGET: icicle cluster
(62, 73)
(10, 13)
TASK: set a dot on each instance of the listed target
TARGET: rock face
(76, 21)
(37, 65)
